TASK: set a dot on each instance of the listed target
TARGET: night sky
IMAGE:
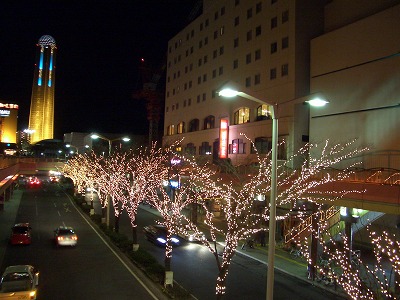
(99, 46)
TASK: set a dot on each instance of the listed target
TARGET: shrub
(96, 218)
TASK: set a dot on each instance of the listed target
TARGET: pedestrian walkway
(283, 261)
(7, 220)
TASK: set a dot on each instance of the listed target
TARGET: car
(34, 182)
(189, 234)
(19, 282)
(65, 236)
(192, 236)
(157, 234)
(21, 234)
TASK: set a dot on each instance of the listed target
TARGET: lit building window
(264, 112)
(171, 130)
(181, 127)
(241, 116)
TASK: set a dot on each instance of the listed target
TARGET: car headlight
(161, 240)
(175, 240)
(32, 294)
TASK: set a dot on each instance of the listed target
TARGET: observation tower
(41, 117)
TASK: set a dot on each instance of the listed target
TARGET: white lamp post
(125, 139)
(230, 92)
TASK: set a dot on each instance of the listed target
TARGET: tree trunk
(116, 223)
(221, 282)
(134, 233)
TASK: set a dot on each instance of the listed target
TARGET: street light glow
(94, 136)
(317, 102)
(228, 93)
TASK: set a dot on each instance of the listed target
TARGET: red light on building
(223, 138)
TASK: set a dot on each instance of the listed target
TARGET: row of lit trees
(127, 179)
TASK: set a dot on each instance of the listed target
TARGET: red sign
(10, 106)
(223, 138)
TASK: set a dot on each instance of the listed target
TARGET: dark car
(157, 234)
(21, 234)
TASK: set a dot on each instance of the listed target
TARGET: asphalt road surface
(91, 270)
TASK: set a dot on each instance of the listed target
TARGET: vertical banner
(223, 138)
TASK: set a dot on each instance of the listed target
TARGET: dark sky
(99, 46)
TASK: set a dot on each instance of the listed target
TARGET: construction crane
(153, 94)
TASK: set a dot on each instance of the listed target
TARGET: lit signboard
(223, 138)
(9, 106)
(4, 113)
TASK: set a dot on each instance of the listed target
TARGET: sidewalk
(7, 220)
(283, 261)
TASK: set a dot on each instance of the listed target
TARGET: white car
(19, 282)
(192, 236)
(65, 236)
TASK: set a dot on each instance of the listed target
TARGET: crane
(151, 92)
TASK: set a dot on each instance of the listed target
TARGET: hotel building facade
(285, 52)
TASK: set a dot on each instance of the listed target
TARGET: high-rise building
(261, 46)
(41, 117)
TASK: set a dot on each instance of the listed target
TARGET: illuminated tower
(41, 117)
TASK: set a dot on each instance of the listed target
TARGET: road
(195, 269)
(89, 271)
(93, 271)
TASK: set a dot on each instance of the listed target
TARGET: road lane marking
(115, 253)
(58, 213)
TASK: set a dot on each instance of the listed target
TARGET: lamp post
(72, 146)
(95, 136)
(229, 93)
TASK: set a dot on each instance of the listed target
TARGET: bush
(96, 218)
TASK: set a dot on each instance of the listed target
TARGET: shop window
(237, 147)
(262, 145)
(190, 149)
(205, 149)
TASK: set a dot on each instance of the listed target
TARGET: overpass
(12, 167)
(378, 189)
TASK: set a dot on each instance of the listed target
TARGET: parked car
(19, 282)
(157, 234)
(65, 236)
(21, 234)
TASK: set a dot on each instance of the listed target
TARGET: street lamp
(125, 139)
(72, 146)
(230, 93)
(96, 136)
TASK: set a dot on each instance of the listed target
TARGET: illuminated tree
(144, 172)
(177, 184)
(237, 199)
